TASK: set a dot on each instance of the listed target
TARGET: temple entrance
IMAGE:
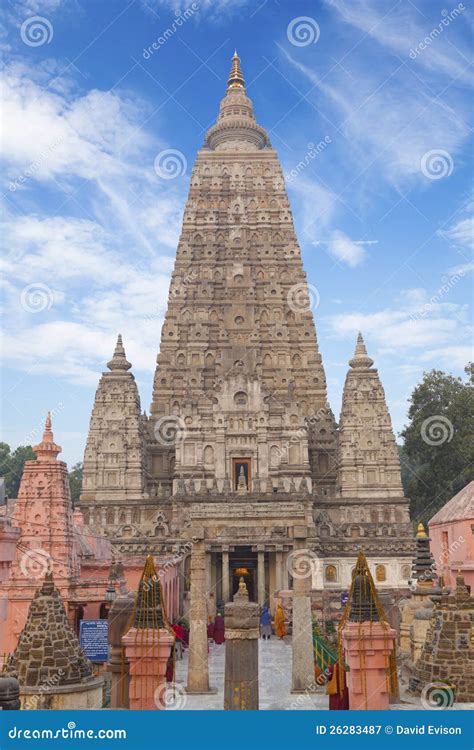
(243, 564)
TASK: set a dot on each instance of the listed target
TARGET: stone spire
(47, 450)
(236, 128)
(369, 465)
(113, 485)
(361, 360)
(48, 652)
(119, 360)
(423, 566)
(236, 77)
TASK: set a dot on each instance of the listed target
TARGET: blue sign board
(94, 639)
(344, 598)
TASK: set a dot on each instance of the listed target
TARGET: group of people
(266, 625)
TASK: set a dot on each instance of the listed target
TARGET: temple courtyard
(274, 658)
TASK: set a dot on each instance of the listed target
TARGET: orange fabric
(280, 627)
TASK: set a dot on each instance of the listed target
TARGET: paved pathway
(274, 681)
(274, 684)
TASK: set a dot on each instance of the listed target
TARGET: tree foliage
(13, 462)
(75, 483)
(11, 466)
(437, 455)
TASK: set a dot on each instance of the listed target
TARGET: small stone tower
(48, 661)
(113, 488)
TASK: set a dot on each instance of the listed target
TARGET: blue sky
(383, 210)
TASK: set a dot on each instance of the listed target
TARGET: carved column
(225, 575)
(261, 575)
(198, 667)
(302, 641)
(241, 653)
(278, 569)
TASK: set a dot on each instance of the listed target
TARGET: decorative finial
(236, 78)
(119, 360)
(47, 450)
(420, 532)
(360, 360)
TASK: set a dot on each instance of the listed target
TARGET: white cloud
(397, 28)
(106, 257)
(460, 233)
(389, 120)
(315, 206)
(346, 250)
(419, 329)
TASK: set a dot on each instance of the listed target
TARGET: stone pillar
(147, 652)
(261, 575)
(225, 575)
(278, 569)
(241, 652)
(118, 664)
(367, 648)
(302, 640)
(198, 667)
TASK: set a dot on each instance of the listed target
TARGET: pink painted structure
(367, 647)
(40, 532)
(452, 538)
(147, 652)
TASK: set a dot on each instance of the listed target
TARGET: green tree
(438, 451)
(75, 483)
(11, 466)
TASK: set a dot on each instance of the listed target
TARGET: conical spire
(119, 360)
(236, 77)
(360, 360)
(236, 126)
(47, 450)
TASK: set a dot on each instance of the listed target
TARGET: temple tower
(114, 497)
(241, 440)
(239, 369)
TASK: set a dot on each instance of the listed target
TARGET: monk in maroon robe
(219, 629)
(337, 690)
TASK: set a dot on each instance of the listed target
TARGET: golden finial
(420, 532)
(236, 78)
